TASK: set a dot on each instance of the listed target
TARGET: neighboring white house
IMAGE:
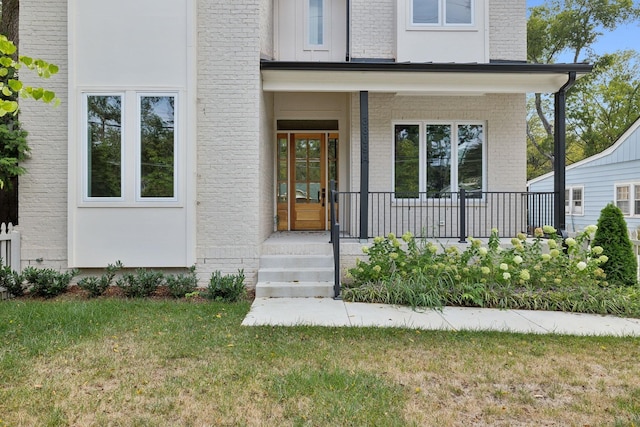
(186, 126)
(612, 176)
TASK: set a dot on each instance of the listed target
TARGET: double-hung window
(573, 200)
(433, 160)
(130, 147)
(627, 198)
(441, 12)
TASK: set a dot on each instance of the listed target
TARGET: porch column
(364, 165)
(559, 153)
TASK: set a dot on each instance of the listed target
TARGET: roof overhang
(417, 78)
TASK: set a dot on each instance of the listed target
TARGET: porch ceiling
(417, 78)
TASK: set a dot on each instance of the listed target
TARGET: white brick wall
(373, 29)
(508, 29)
(43, 190)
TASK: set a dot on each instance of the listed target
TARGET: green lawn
(158, 363)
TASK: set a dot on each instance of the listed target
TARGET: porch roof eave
(417, 78)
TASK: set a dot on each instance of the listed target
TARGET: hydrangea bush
(541, 272)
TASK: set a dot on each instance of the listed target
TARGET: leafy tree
(571, 27)
(612, 235)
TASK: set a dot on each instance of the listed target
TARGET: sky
(623, 38)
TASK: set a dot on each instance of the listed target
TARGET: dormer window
(441, 12)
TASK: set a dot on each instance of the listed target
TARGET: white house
(191, 131)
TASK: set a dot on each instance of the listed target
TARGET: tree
(613, 237)
(570, 27)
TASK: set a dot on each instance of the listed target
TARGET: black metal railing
(335, 237)
(444, 215)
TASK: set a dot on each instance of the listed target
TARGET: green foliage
(11, 280)
(141, 284)
(13, 150)
(227, 288)
(181, 285)
(46, 282)
(536, 274)
(613, 236)
(96, 286)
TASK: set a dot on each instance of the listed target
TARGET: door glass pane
(104, 148)
(332, 151)
(406, 161)
(316, 22)
(470, 141)
(438, 160)
(157, 145)
(458, 11)
(283, 170)
(425, 12)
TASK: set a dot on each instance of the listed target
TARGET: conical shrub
(612, 235)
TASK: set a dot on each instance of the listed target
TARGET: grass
(157, 363)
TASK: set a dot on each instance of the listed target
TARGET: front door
(303, 160)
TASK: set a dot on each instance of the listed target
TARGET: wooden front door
(308, 178)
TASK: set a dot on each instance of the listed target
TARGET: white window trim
(422, 145)
(632, 194)
(326, 27)
(130, 152)
(569, 210)
(441, 25)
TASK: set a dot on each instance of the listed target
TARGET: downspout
(348, 50)
(559, 153)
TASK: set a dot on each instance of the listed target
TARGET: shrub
(47, 282)
(141, 284)
(96, 286)
(11, 280)
(228, 288)
(182, 284)
(612, 235)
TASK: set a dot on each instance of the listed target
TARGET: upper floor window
(130, 152)
(438, 158)
(441, 12)
(315, 23)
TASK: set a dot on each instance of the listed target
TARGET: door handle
(324, 194)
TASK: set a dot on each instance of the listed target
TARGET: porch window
(441, 12)
(438, 159)
(131, 144)
(573, 200)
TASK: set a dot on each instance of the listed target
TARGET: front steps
(302, 269)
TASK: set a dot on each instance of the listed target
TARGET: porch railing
(445, 215)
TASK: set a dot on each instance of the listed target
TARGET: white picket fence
(9, 246)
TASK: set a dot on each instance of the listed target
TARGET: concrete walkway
(329, 312)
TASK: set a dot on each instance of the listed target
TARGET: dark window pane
(157, 139)
(407, 161)
(104, 146)
(438, 159)
(470, 142)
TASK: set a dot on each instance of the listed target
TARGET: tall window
(441, 12)
(573, 200)
(316, 23)
(627, 198)
(438, 158)
(139, 142)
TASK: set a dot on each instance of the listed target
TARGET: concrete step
(294, 290)
(296, 261)
(282, 248)
(314, 274)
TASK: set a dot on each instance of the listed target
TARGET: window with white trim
(627, 198)
(130, 149)
(315, 24)
(441, 12)
(433, 159)
(573, 200)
